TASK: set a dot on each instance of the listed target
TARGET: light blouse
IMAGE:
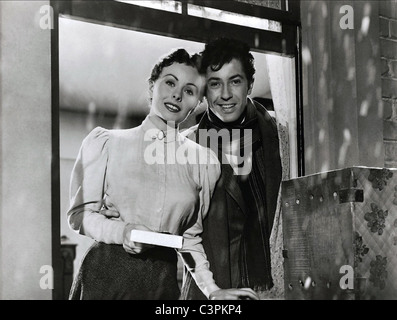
(142, 174)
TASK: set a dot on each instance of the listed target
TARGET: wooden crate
(340, 235)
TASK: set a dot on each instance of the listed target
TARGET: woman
(118, 186)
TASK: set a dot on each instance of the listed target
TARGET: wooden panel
(369, 89)
(323, 233)
(317, 236)
(375, 232)
(329, 88)
(68, 252)
(57, 293)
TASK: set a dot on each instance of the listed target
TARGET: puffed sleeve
(192, 252)
(87, 190)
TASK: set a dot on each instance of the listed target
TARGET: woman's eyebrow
(170, 74)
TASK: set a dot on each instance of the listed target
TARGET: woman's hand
(131, 246)
(234, 294)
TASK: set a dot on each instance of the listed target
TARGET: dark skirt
(108, 272)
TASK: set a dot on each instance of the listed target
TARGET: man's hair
(177, 56)
(222, 50)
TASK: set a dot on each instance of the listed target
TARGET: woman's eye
(189, 92)
(170, 83)
(236, 81)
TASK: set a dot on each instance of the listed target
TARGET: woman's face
(176, 92)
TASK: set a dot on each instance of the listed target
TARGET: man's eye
(236, 81)
(214, 84)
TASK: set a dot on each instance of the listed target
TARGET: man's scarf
(255, 250)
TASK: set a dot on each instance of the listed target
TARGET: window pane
(171, 6)
(274, 4)
(234, 18)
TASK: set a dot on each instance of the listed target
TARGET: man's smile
(227, 107)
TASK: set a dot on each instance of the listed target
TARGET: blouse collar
(159, 129)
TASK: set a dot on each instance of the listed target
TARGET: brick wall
(388, 48)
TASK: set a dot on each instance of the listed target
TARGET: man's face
(227, 91)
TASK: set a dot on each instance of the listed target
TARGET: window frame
(123, 15)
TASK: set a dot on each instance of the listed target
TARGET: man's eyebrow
(170, 74)
(232, 77)
(236, 76)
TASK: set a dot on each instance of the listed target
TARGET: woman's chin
(170, 119)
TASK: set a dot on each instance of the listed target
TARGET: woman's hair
(177, 56)
(223, 50)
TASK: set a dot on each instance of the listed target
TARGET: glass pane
(234, 18)
(274, 4)
(171, 6)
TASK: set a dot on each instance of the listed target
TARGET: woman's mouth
(172, 107)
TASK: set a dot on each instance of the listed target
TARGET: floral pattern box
(340, 235)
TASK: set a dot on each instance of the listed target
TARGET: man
(240, 219)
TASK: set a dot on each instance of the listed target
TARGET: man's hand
(234, 294)
(131, 246)
(109, 213)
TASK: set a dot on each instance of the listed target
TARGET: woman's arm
(87, 190)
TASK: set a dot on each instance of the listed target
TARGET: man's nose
(226, 93)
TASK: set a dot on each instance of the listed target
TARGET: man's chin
(228, 117)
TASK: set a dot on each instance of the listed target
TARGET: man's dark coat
(223, 226)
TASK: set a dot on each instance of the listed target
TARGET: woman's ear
(201, 106)
(151, 86)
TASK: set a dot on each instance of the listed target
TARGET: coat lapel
(272, 159)
(270, 142)
(232, 187)
(227, 173)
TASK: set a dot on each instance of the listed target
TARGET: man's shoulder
(263, 111)
(264, 114)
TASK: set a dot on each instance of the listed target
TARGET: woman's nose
(177, 95)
